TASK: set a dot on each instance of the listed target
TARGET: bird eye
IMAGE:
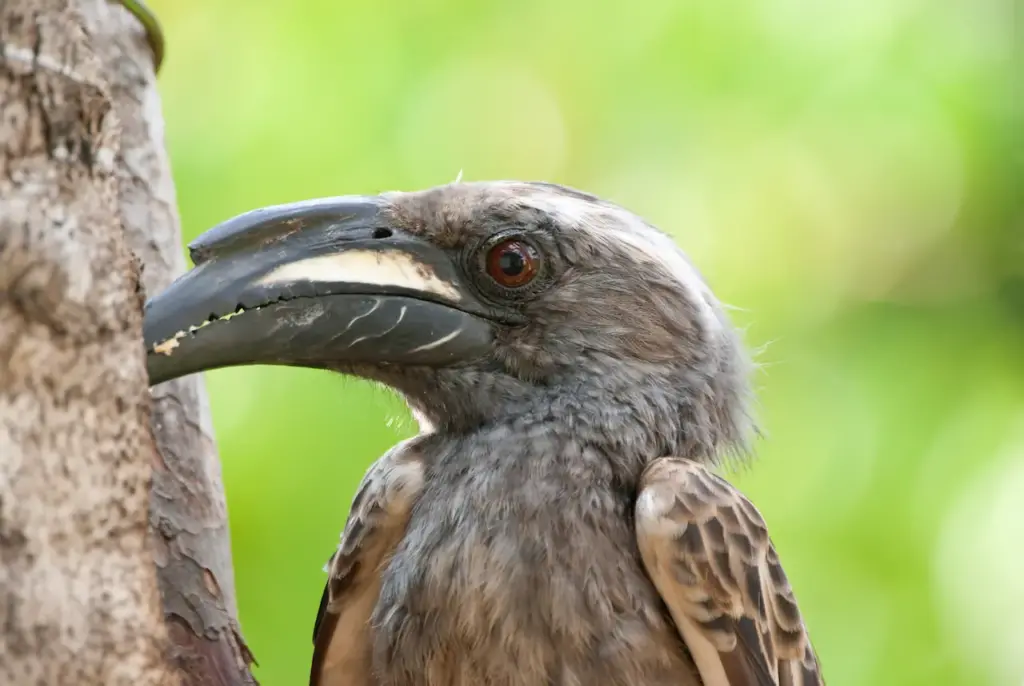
(513, 263)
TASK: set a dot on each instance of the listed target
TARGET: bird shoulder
(707, 550)
(376, 523)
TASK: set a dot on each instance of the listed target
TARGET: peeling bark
(78, 591)
(188, 514)
(81, 156)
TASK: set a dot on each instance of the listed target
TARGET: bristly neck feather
(639, 412)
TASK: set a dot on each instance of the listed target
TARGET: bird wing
(707, 550)
(377, 521)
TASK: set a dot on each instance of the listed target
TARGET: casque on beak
(315, 283)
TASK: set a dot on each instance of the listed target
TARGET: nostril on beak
(382, 232)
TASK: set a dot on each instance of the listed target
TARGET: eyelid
(532, 261)
(546, 252)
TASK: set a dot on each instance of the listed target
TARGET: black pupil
(511, 262)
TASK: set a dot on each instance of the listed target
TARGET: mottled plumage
(555, 522)
(378, 519)
(538, 532)
(707, 550)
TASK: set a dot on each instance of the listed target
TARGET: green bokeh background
(849, 176)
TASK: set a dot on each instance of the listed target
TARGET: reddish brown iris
(512, 263)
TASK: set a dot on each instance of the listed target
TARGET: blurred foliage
(849, 175)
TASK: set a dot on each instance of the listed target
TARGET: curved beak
(319, 283)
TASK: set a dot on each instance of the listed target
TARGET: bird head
(478, 302)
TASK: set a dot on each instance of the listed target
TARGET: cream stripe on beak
(370, 267)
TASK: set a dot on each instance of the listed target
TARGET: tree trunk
(81, 156)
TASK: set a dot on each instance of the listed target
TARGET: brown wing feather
(376, 523)
(707, 550)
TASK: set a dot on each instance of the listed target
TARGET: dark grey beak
(318, 283)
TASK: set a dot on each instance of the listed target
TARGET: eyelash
(478, 266)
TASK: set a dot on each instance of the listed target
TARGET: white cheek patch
(683, 272)
(371, 267)
(572, 211)
(653, 248)
(670, 258)
(649, 246)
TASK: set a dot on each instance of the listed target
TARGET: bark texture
(188, 512)
(78, 592)
(84, 180)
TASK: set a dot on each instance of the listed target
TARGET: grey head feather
(627, 342)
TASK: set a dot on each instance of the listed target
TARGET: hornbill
(556, 521)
